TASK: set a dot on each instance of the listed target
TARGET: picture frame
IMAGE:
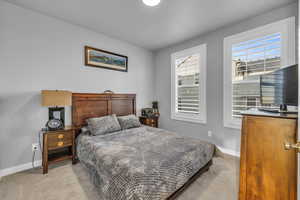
(104, 59)
(57, 113)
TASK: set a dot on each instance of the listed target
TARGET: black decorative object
(151, 112)
(148, 112)
(57, 113)
(155, 104)
(155, 108)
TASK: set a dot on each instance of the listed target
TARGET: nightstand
(149, 121)
(58, 146)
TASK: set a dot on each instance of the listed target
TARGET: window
(248, 55)
(188, 101)
(249, 60)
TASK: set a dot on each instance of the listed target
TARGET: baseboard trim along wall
(38, 163)
(19, 168)
(229, 151)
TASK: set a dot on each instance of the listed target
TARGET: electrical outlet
(209, 133)
(35, 147)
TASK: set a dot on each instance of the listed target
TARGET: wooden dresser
(267, 170)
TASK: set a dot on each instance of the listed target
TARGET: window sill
(194, 119)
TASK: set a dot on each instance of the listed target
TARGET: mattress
(141, 163)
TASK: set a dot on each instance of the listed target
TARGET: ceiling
(153, 28)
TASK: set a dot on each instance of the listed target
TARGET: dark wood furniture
(267, 170)
(58, 146)
(87, 105)
(149, 121)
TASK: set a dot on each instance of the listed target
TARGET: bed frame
(88, 105)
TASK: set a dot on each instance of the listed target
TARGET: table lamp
(56, 100)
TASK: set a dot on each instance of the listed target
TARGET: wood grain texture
(97, 105)
(268, 171)
(45, 155)
(153, 121)
(243, 161)
(87, 105)
(56, 138)
(54, 141)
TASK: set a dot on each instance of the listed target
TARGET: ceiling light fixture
(151, 2)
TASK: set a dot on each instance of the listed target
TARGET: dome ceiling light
(151, 2)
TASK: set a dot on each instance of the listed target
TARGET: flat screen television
(279, 89)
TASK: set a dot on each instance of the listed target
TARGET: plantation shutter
(187, 84)
(249, 60)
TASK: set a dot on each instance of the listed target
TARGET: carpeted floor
(67, 182)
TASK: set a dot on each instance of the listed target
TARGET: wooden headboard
(87, 105)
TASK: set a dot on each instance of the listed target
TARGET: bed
(138, 163)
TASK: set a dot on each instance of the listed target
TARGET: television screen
(280, 87)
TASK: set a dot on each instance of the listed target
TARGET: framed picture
(105, 59)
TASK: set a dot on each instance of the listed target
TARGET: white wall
(223, 137)
(39, 52)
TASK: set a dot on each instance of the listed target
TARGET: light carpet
(67, 182)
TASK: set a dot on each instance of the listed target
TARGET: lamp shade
(53, 98)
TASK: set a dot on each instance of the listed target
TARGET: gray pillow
(85, 130)
(103, 125)
(129, 121)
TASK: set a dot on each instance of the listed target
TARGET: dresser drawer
(58, 140)
(149, 121)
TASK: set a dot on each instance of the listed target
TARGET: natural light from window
(249, 60)
(187, 75)
(188, 94)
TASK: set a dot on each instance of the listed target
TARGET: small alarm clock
(54, 124)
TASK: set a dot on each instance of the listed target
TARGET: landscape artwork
(105, 59)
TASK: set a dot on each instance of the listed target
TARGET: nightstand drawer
(58, 146)
(59, 136)
(153, 121)
(150, 121)
(57, 140)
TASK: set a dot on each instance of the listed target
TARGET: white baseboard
(23, 167)
(19, 168)
(229, 151)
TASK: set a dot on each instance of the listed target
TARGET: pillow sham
(103, 125)
(129, 121)
(85, 130)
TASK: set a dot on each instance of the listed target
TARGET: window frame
(286, 28)
(195, 118)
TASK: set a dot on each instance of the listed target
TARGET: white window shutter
(187, 76)
(250, 59)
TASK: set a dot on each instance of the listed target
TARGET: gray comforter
(141, 163)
